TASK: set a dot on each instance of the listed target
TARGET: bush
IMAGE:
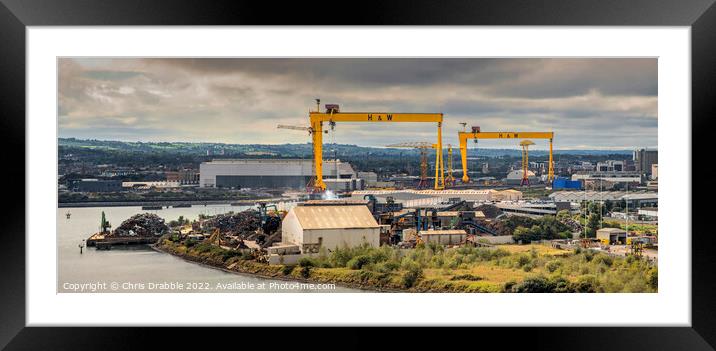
(469, 277)
(227, 254)
(308, 262)
(653, 279)
(601, 258)
(553, 265)
(522, 260)
(413, 274)
(386, 267)
(305, 272)
(561, 285)
(585, 284)
(528, 267)
(286, 270)
(358, 262)
(190, 242)
(537, 284)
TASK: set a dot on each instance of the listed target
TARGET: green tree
(593, 224)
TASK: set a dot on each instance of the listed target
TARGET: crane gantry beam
(476, 134)
(317, 119)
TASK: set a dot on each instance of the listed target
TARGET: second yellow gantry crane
(476, 134)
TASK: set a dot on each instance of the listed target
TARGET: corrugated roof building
(313, 227)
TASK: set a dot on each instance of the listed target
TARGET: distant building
(330, 227)
(343, 185)
(608, 180)
(643, 159)
(443, 237)
(267, 173)
(654, 171)
(369, 178)
(184, 177)
(611, 166)
(515, 177)
(612, 236)
(96, 186)
(633, 198)
(417, 198)
(651, 212)
(151, 184)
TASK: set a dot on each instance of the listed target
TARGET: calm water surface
(141, 269)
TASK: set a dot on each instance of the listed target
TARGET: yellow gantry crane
(525, 161)
(333, 115)
(449, 180)
(423, 147)
(476, 134)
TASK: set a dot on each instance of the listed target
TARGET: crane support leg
(317, 127)
(550, 174)
(439, 172)
(463, 157)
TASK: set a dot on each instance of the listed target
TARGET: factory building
(444, 237)
(608, 180)
(612, 236)
(267, 173)
(418, 198)
(370, 178)
(313, 227)
(515, 177)
(633, 199)
(184, 176)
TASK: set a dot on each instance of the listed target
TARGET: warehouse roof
(334, 217)
(611, 230)
(443, 232)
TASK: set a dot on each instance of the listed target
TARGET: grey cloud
(242, 100)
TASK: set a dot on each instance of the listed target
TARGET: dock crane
(449, 179)
(476, 134)
(525, 161)
(423, 147)
(332, 115)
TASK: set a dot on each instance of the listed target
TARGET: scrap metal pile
(244, 223)
(144, 224)
(490, 211)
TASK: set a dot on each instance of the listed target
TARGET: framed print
(455, 165)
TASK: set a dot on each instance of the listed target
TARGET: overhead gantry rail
(477, 134)
(332, 116)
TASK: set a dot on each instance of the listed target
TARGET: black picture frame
(16, 15)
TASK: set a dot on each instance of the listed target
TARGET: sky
(590, 103)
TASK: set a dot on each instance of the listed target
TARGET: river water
(140, 268)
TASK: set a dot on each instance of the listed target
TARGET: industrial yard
(436, 209)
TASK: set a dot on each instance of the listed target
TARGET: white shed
(312, 227)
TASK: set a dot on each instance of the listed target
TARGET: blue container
(564, 183)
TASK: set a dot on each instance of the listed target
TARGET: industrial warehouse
(270, 173)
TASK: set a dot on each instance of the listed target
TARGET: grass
(521, 268)
(432, 268)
